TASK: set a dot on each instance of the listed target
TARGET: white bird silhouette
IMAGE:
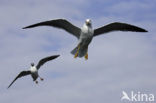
(125, 96)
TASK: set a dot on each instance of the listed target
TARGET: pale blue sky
(117, 61)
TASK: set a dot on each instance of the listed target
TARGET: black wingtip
(8, 87)
(143, 30)
(30, 26)
(25, 27)
(57, 55)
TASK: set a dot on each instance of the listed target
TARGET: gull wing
(44, 60)
(117, 26)
(23, 73)
(59, 23)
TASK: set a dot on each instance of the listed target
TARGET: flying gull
(33, 71)
(86, 33)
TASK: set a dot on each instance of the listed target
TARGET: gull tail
(81, 53)
(74, 51)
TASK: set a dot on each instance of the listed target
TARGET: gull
(33, 71)
(86, 33)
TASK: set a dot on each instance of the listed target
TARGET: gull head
(32, 64)
(88, 22)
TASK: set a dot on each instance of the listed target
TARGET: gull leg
(86, 56)
(36, 82)
(41, 79)
(76, 54)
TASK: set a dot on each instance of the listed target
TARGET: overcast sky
(117, 61)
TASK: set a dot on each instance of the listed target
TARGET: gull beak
(88, 23)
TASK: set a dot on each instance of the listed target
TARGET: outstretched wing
(23, 73)
(59, 23)
(44, 60)
(117, 27)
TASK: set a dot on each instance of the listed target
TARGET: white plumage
(84, 39)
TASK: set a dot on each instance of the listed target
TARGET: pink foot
(41, 79)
